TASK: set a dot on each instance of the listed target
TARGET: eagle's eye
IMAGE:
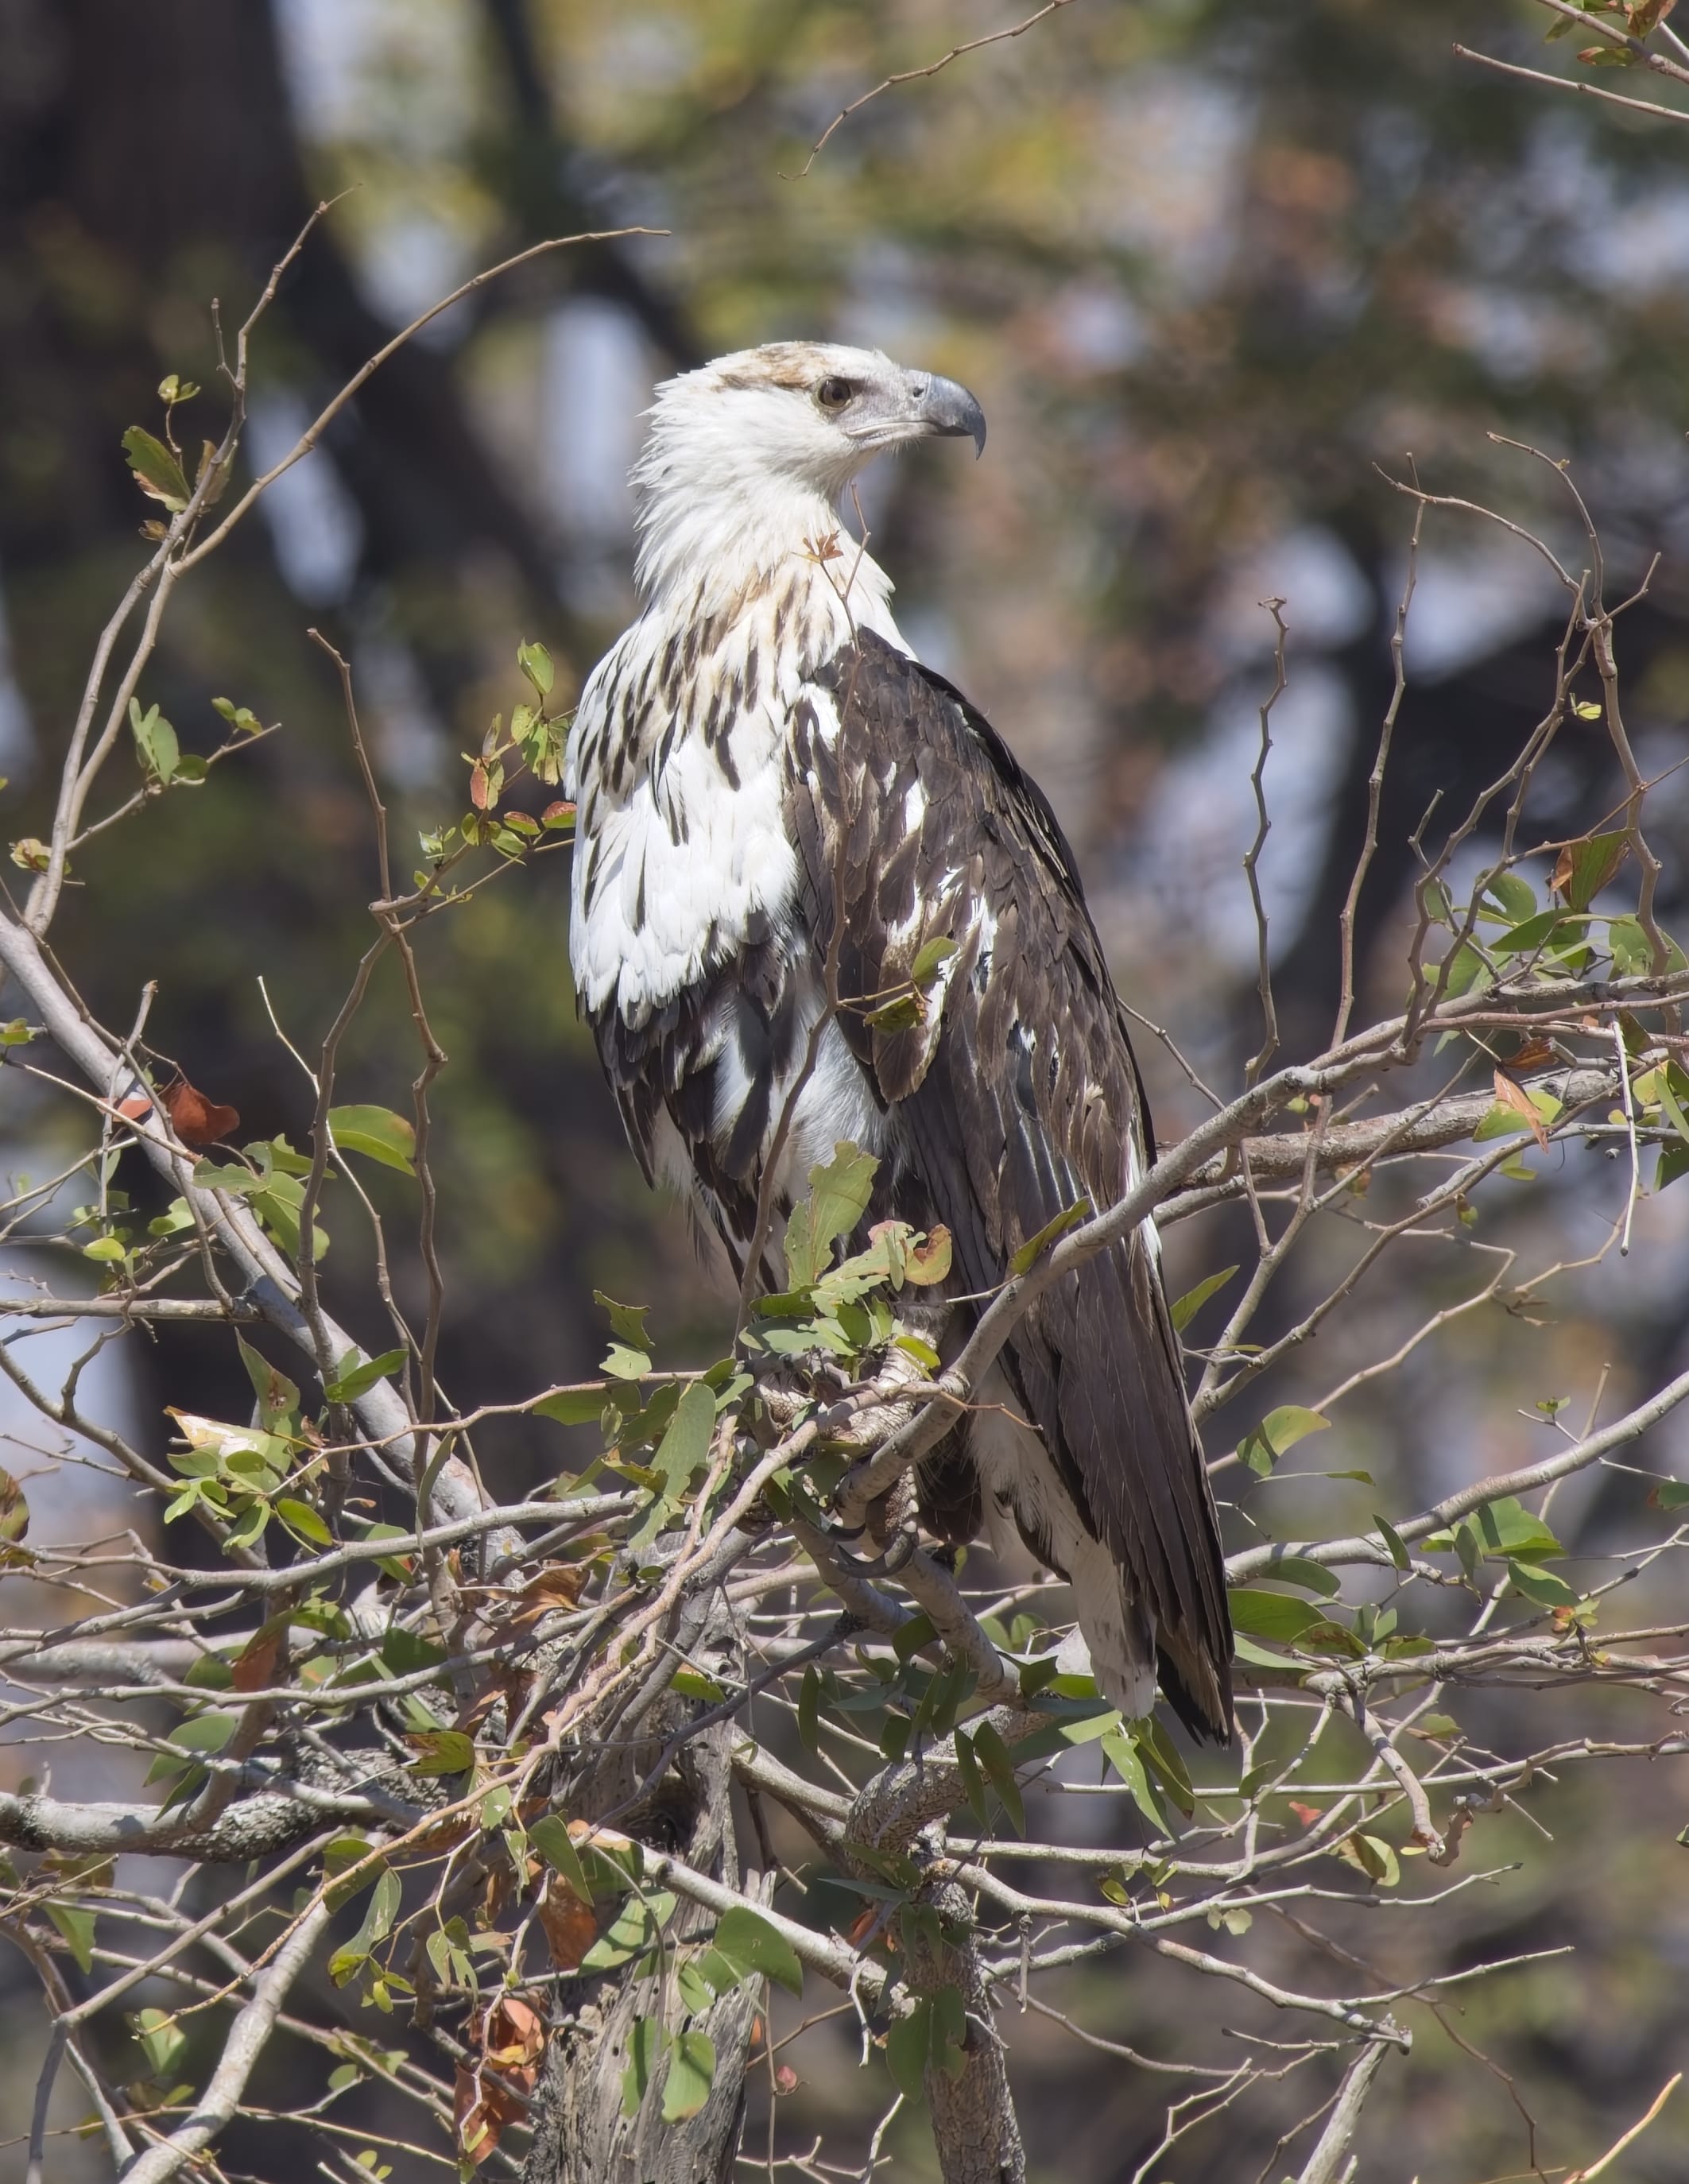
(834, 393)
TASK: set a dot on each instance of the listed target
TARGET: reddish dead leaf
(785, 2078)
(1308, 1815)
(253, 1668)
(863, 1925)
(506, 1684)
(496, 1892)
(196, 1120)
(930, 1261)
(512, 2036)
(135, 1105)
(557, 1586)
(1517, 1100)
(1533, 1055)
(479, 785)
(570, 1926)
(494, 2095)
(483, 2108)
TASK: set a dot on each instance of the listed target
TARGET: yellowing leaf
(157, 471)
(377, 1133)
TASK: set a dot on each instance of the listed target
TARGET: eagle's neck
(718, 535)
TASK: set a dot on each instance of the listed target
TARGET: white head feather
(747, 457)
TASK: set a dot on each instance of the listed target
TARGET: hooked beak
(949, 411)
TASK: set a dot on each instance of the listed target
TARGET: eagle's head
(759, 438)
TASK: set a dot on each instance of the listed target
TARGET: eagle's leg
(893, 1525)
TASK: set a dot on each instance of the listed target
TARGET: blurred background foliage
(1211, 270)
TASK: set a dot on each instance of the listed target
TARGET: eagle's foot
(892, 1522)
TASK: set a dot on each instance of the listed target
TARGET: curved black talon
(896, 1558)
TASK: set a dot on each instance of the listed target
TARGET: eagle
(779, 808)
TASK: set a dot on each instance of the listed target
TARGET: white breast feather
(658, 911)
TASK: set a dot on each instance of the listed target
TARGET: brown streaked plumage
(759, 759)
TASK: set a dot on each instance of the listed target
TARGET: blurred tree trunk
(581, 2135)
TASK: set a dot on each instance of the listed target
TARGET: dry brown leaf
(1517, 1099)
(570, 1926)
(494, 2095)
(196, 1120)
(253, 1668)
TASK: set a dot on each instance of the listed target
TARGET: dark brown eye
(834, 393)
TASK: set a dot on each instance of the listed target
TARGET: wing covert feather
(1017, 1094)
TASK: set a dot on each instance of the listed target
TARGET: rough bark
(974, 2127)
(580, 2134)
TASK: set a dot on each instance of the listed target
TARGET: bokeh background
(1217, 274)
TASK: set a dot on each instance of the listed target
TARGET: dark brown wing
(1018, 1096)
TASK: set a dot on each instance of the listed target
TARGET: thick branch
(255, 1828)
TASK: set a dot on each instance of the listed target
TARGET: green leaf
(159, 2039)
(550, 1837)
(157, 471)
(1311, 1576)
(1500, 1530)
(535, 662)
(1542, 931)
(1632, 951)
(973, 1782)
(303, 1522)
(901, 1014)
(1271, 1614)
(572, 1406)
(646, 2041)
(1466, 970)
(621, 1364)
(204, 1732)
(1035, 1246)
(1122, 1754)
(691, 2073)
(838, 1197)
(1186, 1309)
(993, 1755)
(239, 717)
(356, 1375)
(155, 740)
(442, 1752)
(1586, 867)
(407, 1652)
(637, 1928)
(1392, 1539)
(685, 1448)
(104, 1250)
(14, 1510)
(1540, 1585)
(1516, 897)
(1668, 1494)
(377, 1133)
(758, 1948)
(1160, 1755)
(1279, 1430)
(278, 1399)
(76, 1925)
(626, 1321)
(906, 2046)
(930, 959)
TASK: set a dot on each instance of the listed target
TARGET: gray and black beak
(950, 411)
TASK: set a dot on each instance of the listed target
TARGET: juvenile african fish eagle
(761, 755)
